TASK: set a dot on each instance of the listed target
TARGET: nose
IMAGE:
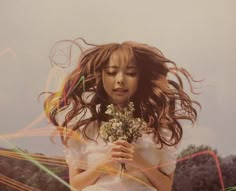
(120, 78)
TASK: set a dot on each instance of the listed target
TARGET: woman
(119, 74)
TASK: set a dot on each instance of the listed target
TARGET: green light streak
(35, 162)
(231, 188)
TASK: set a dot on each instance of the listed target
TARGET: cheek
(107, 82)
(134, 85)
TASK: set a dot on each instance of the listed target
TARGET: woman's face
(120, 81)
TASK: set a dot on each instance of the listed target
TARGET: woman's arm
(80, 179)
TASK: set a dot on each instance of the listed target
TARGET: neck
(119, 107)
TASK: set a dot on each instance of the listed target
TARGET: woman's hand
(124, 152)
(121, 152)
(107, 164)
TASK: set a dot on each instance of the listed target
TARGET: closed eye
(111, 73)
(131, 73)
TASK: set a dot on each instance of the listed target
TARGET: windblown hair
(162, 102)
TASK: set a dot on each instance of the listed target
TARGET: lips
(120, 90)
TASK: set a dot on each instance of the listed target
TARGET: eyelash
(132, 73)
(111, 73)
(128, 73)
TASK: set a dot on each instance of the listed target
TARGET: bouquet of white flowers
(123, 126)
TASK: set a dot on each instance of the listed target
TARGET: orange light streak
(15, 184)
(209, 152)
(55, 161)
(46, 160)
(7, 50)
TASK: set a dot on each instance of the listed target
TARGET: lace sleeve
(75, 153)
(168, 156)
(78, 150)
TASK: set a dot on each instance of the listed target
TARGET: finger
(122, 142)
(120, 155)
(121, 148)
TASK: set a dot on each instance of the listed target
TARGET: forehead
(122, 58)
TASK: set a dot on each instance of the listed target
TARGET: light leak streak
(16, 184)
(233, 188)
(36, 163)
(77, 137)
(7, 50)
(44, 131)
(24, 132)
(35, 122)
(214, 156)
(54, 161)
(207, 152)
(10, 185)
(60, 76)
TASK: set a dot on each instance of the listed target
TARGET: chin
(119, 102)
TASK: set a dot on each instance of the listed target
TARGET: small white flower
(123, 125)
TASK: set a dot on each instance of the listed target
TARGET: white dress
(84, 154)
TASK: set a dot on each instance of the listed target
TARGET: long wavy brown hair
(160, 100)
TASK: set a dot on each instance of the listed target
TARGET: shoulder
(78, 141)
(85, 133)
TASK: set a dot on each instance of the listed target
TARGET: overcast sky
(198, 35)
